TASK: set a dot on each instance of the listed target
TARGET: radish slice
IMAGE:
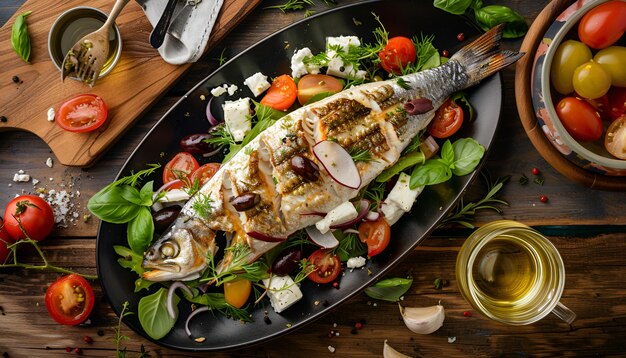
(429, 147)
(192, 315)
(326, 240)
(351, 231)
(363, 209)
(209, 114)
(170, 296)
(338, 163)
(263, 237)
(372, 216)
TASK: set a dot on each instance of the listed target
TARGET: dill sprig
(291, 5)
(202, 205)
(374, 192)
(360, 155)
(424, 49)
(238, 267)
(220, 135)
(134, 178)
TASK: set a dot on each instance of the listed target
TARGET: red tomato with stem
(83, 113)
(327, 266)
(70, 299)
(282, 93)
(580, 119)
(616, 102)
(376, 234)
(447, 121)
(5, 240)
(603, 25)
(312, 85)
(204, 173)
(35, 215)
(397, 54)
(180, 167)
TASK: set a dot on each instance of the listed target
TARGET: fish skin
(368, 116)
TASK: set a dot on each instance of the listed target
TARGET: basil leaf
(462, 97)
(146, 194)
(129, 259)
(140, 230)
(318, 97)
(153, 314)
(109, 205)
(212, 300)
(433, 61)
(130, 193)
(489, 16)
(390, 289)
(20, 41)
(467, 155)
(434, 171)
(405, 162)
(447, 153)
(476, 4)
(456, 7)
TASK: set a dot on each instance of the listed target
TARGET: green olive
(569, 55)
(591, 80)
(613, 60)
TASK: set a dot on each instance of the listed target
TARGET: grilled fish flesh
(258, 198)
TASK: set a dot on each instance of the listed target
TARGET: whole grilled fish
(259, 194)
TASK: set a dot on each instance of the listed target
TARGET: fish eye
(169, 250)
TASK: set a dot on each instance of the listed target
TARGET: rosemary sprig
(291, 5)
(220, 136)
(360, 155)
(121, 352)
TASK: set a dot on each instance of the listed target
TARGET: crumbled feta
(218, 91)
(298, 67)
(356, 262)
(391, 212)
(282, 291)
(51, 114)
(343, 42)
(232, 89)
(402, 195)
(49, 162)
(21, 177)
(20, 171)
(336, 66)
(340, 214)
(237, 117)
(257, 83)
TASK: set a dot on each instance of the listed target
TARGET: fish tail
(482, 58)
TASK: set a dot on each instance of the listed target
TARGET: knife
(158, 33)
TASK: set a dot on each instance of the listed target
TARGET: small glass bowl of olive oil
(75, 23)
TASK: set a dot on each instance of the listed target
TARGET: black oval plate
(272, 57)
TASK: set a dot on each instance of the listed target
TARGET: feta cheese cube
(218, 91)
(298, 67)
(50, 114)
(356, 262)
(402, 195)
(23, 178)
(282, 291)
(340, 214)
(391, 212)
(257, 83)
(232, 89)
(236, 117)
(343, 42)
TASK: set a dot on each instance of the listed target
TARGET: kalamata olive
(165, 217)
(195, 144)
(305, 168)
(245, 201)
(287, 261)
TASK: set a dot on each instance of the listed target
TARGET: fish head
(182, 253)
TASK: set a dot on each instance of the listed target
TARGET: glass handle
(564, 313)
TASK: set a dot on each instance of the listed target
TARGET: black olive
(165, 217)
(305, 168)
(287, 261)
(245, 201)
(195, 143)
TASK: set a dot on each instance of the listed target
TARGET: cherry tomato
(311, 85)
(567, 58)
(34, 213)
(376, 235)
(204, 173)
(69, 299)
(617, 102)
(236, 293)
(613, 60)
(603, 25)
(447, 121)
(591, 80)
(397, 54)
(580, 119)
(83, 113)
(601, 105)
(327, 266)
(180, 167)
(5, 239)
(282, 94)
(615, 139)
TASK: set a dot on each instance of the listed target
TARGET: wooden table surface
(584, 224)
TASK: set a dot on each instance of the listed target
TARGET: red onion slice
(209, 114)
(338, 163)
(326, 240)
(314, 213)
(192, 315)
(213, 152)
(363, 209)
(170, 296)
(429, 147)
(165, 186)
(264, 237)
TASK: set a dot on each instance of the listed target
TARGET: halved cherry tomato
(327, 266)
(180, 167)
(282, 94)
(617, 102)
(236, 293)
(35, 215)
(615, 139)
(603, 25)
(69, 299)
(376, 235)
(5, 239)
(397, 54)
(580, 119)
(83, 113)
(311, 85)
(447, 121)
(204, 173)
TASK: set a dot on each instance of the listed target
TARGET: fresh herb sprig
(390, 289)
(237, 268)
(119, 337)
(488, 16)
(292, 5)
(216, 302)
(360, 155)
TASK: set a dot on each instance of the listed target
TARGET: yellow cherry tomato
(591, 80)
(613, 60)
(567, 58)
(236, 293)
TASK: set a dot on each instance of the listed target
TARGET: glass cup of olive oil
(512, 274)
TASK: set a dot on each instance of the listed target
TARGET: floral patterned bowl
(589, 155)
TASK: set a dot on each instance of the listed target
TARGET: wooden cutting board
(138, 80)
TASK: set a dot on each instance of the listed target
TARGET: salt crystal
(334, 325)
(21, 177)
(451, 339)
(35, 181)
(20, 171)
(50, 114)
(49, 162)
(51, 179)
(331, 349)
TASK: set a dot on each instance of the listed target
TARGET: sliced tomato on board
(282, 94)
(83, 113)
(204, 173)
(376, 234)
(35, 215)
(397, 54)
(180, 167)
(314, 85)
(70, 299)
(327, 266)
(447, 121)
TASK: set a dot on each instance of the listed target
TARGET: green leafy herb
(523, 180)
(20, 41)
(349, 245)
(406, 161)
(467, 154)
(217, 303)
(360, 155)
(456, 7)
(462, 98)
(140, 230)
(433, 171)
(390, 289)
(238, 267)
(202, 205)
(319, 60)
(403, 84)
(153, 315)
(539, 180)
(121, 352)
(292, 5)
(440, 283)
(131, 260)
(427, 54)
(490, 16)
(221, 136)
(309, 13)
(110, 205)
(374, 192)
(222, 59)
(318, 97)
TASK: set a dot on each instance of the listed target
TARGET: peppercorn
(267, 320)
(68, 349)
(358, 325)
(15, 79)
(460, 36)
(336, 285)
(3, 119)
(543, 199)
(536, 171)
(87, 339)
(78, 350)
(445, 53)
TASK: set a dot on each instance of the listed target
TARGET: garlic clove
(423, 320)
(389, 352)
